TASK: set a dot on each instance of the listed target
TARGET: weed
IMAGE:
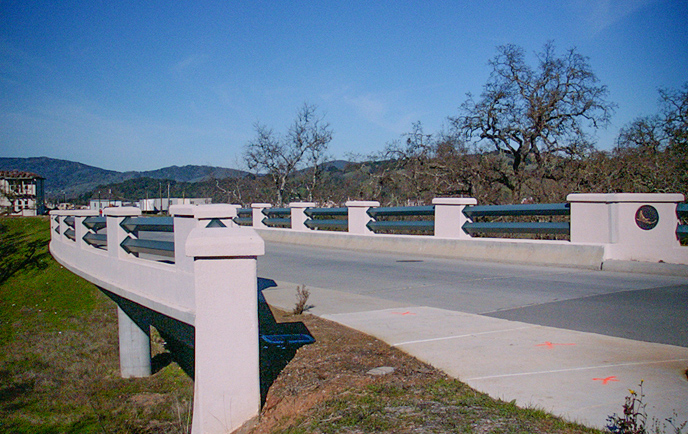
(634, 417)
(302, 295)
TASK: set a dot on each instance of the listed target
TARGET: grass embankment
(59, 363)
(59, 369)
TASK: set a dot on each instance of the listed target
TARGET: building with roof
(21, 193)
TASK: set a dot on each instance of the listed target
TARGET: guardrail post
(449, 216)
(54, 224)
(358, 215)
(634, 226)
(63, 227)
(257, 214)
(298, 215)
(134, 336)
(79, 229)
(115, 233)
(226, 383)
(189, 217)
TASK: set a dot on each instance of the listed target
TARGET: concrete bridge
(193, 276)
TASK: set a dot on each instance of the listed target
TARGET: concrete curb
(558, 253)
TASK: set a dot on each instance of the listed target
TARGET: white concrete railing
(604, 228)
(211, 285)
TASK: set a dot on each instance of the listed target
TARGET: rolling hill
(70, 178)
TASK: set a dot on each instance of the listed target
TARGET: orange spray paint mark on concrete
(606, 380)
(550, 344)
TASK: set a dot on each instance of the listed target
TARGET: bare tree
(310, 132)
(524, 113)
(281, 156)
(651, 152)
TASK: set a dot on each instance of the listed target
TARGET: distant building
(159, 205)
(21, 193)
(99, 204)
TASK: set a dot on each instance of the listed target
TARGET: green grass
(59, 359)
(444, 405)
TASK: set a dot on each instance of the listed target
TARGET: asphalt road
(645, 307)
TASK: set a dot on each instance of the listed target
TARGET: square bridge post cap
(261, 205)
(625, 197)
(301, 204)
(210, 211)
(454, 201)
(361, 203)
(228, 242)
(122, 211)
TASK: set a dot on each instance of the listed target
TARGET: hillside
(70, 178)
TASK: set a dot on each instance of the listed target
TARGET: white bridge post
(449, 216)
(298, 215)
(227, 369)
(134, 333)
(358, 215)
(257, 214)
(632, 226)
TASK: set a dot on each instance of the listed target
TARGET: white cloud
(601, 15)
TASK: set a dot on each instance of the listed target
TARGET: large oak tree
(531, 113)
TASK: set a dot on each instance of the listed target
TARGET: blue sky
(139, 85)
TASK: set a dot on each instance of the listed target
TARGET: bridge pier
(134, 346)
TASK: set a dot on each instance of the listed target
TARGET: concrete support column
(227, 382)
(358, 215)
(134, 337)
(449, 216)
(134, 346)
(298, 215)
(258, 215)
(633, 226)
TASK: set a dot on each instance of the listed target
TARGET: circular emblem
(646, 217)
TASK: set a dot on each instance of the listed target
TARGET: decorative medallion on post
(647, 217)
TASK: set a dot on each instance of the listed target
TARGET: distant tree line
(526, 138)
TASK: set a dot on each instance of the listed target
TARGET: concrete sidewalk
(583, 377)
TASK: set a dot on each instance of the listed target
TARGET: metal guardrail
(401, 211)
(327, 212)
(553, 228)
(96, 240)
(133, 225)
(137, 246)
(274, 217)
(520, 210)
(401, 225)
(93, 238)
(69, 233)
(415, 225)
(95, 223)
(537, 209)
(151, 247)
(318, 218)
(244, 217)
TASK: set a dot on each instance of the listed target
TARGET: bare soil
(326, 387)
